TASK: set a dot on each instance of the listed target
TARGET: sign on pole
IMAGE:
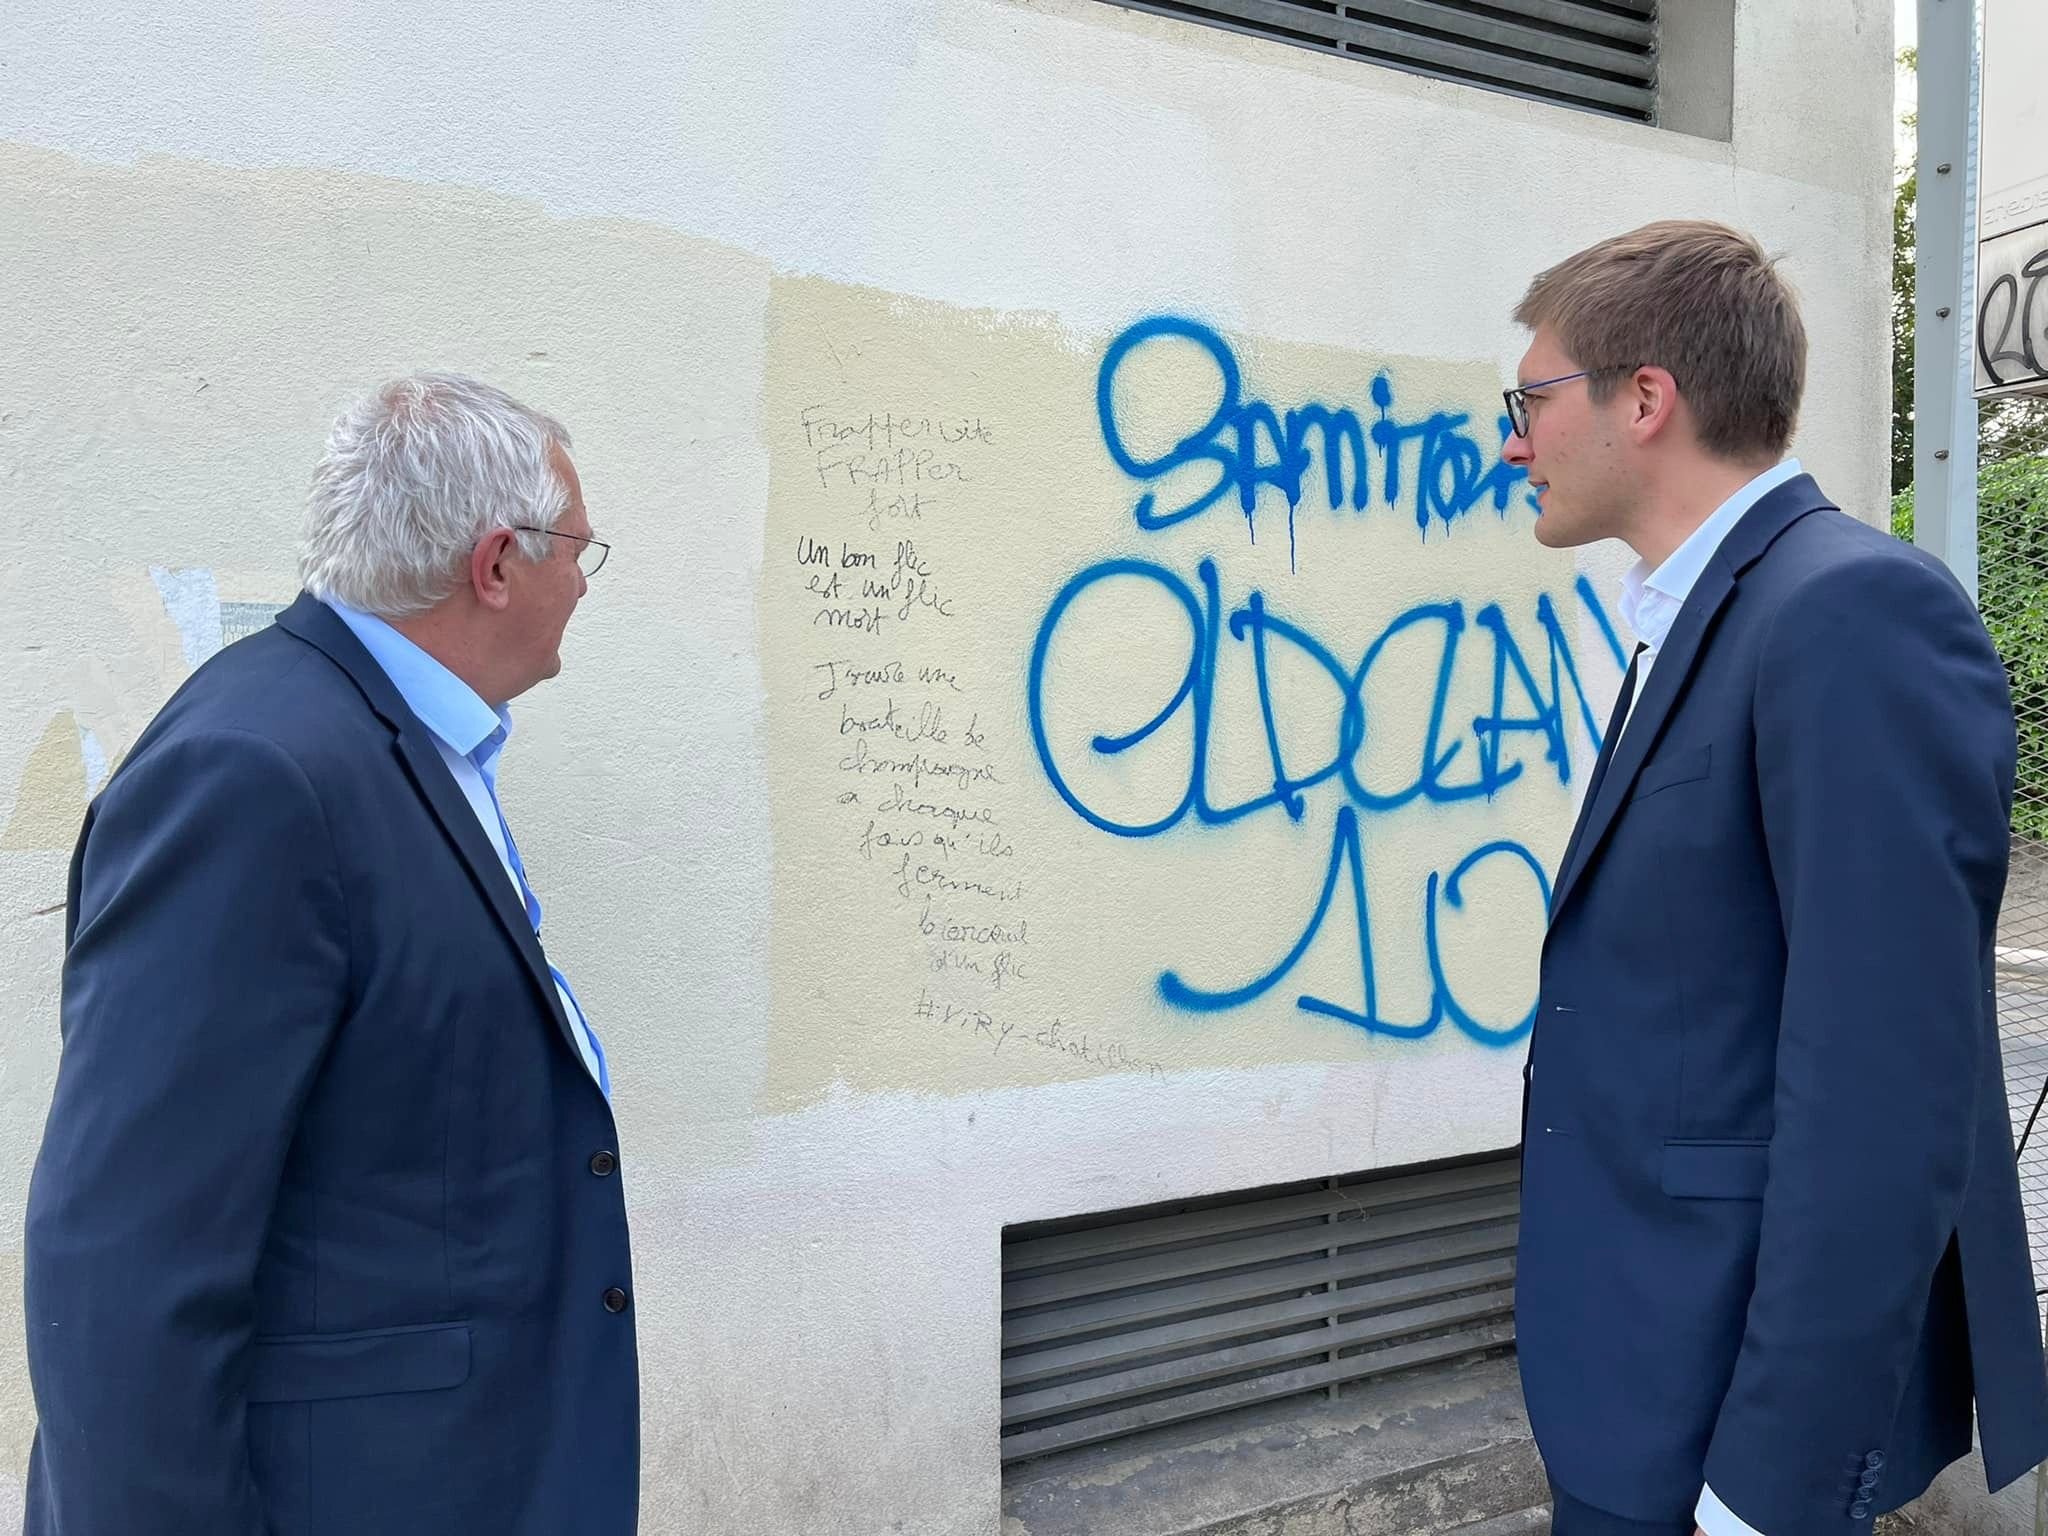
(2012, 203)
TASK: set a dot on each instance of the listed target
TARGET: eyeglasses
(590, 553)
(1518, 399)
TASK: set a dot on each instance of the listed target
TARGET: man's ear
(488, 576)
(1653, 402)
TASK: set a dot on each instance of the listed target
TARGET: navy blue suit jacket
(1772, 1236)
(326, 1234)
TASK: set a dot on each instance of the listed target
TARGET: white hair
(413, 476)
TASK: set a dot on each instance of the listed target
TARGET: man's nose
(1516, 450)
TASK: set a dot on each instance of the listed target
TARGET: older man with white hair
(326, 1233)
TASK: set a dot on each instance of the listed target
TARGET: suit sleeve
(207, 970)
(1885, 751)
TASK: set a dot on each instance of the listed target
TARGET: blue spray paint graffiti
(1252, 446)
(1536, 684)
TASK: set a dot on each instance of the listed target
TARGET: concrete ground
(1436, 1452)
(1426, 1453)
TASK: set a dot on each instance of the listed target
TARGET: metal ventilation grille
(1597, 55)
(1115, 1323)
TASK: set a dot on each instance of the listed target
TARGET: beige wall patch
(1079, 766)
(51, 801)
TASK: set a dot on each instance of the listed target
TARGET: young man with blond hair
(1772, 1246)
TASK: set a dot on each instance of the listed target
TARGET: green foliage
(1903, 300)
(2012, 591)
(1905, 192)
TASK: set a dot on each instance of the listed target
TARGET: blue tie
(487, 766)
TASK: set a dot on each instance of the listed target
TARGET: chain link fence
(2012, 592)
(2012, 587)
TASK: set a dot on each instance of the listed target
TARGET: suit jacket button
(1860, 1510)
(1874, 1461)
(615, 1300)
(1868, 1480)
(603, 1163)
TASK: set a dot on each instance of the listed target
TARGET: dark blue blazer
(1772, 1236)
(326, 1235)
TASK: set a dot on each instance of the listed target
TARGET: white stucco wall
(219, 222)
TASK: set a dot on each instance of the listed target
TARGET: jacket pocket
(1716, 1170)
(310, 1367)
(1677, 768)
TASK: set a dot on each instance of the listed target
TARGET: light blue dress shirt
(1651, 599)
(470, 735)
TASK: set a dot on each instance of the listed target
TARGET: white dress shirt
(1650, 602)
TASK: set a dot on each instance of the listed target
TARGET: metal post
(1945, 264)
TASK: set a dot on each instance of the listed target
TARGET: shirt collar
(1651, 599)
(445, 704)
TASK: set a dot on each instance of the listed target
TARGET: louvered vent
(1114, 1323)
(1596, 55)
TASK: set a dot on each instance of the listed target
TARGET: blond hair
(1698, 299)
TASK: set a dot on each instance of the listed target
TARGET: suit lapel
(452, 809)
(1754, 533)
(1608, 741)
(1668, 674)
(316, 624)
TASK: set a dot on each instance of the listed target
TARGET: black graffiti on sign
(2006, 325)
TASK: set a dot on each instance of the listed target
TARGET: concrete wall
(815, 285)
